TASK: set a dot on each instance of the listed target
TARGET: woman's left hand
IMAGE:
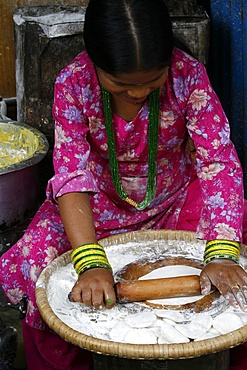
(229, 278)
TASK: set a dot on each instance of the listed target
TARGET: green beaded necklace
(153, 125)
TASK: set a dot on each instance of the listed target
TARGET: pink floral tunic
(188, 107)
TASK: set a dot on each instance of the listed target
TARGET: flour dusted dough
(162, 340)
(227, 322)
(205, 320)
(173, 271)
(172, 335)
(212, 333)
(141, 319)
(172, 315)
(141, 336)
(191, 330)
(119, 331)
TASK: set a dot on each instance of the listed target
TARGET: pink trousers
(45, 350)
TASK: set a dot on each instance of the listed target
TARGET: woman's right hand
(95, 287)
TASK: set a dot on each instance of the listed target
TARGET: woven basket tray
(133, 351)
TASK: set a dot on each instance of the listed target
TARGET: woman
(126, 111)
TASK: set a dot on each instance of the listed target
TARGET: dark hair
(124, 36)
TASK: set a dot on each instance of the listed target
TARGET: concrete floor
(10, 316)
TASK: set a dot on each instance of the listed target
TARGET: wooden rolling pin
(143, 290)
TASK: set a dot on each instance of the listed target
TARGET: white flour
(162, 326)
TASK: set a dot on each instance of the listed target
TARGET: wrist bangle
(87, 256)
(221, 249)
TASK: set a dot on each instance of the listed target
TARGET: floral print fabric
(189, 108)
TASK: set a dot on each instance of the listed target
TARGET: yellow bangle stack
(221, 249)
(88, 256)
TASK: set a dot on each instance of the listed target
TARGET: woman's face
(132, 87)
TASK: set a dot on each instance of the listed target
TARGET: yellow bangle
(88, 256)
(221, 249)
(83, 247)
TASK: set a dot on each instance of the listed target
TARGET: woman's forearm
(77, 218)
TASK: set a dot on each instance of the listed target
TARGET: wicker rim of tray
(133, 351)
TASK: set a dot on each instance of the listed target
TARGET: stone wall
(7, 47)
